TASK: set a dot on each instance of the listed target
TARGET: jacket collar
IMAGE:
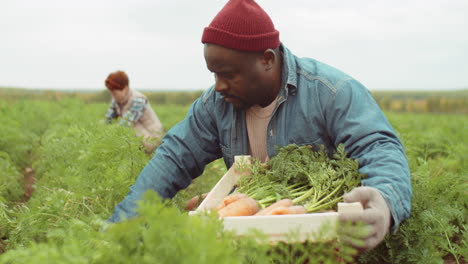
(289, 77)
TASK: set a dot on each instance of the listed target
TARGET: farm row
(83, 167)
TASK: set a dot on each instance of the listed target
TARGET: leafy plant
(437, 228)
(11, 188)
(309, 178)
(84, 168)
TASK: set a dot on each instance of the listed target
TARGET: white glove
(376, 215)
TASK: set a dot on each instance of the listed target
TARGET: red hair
(117, 80)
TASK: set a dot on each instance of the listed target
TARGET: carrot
(230, 199)
(297, 209)
(242, 207)
(280, 203)
(195, 202)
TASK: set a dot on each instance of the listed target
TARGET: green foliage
(83, 171)
(84, 168)
(437, 228)
(402, 101)
(10, 180)
(329, 252)
(164, 235)
(437, 224)
(6, 223)
(173, 98)
(309, 178)
(181, 98)
(423, 101)
(161, 234)
(16, 137)
(170, 115)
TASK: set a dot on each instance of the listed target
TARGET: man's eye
(225, 75)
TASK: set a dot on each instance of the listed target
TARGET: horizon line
(38, 89)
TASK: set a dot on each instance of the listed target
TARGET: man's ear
(269, 58)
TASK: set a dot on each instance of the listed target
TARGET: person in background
(134, 110)
(265, 96)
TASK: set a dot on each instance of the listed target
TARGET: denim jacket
(317, 105)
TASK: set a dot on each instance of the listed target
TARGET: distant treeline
(397, 101)
(160, 97)
(423, 101)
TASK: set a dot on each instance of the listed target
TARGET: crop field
(63, 169)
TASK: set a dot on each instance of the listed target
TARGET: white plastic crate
(276, 227)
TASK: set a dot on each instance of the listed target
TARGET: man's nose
(220, 85)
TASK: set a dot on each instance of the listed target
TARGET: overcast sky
(64, 44)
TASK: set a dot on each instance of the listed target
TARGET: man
(134, 109)
(263, 97)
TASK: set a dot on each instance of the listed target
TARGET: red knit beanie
(242, 25)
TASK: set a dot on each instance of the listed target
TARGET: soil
(451, 260)
(2, 246)
(29, 181)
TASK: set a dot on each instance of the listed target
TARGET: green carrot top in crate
(310, 178)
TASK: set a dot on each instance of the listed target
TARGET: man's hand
(193, 203)
(376, 216)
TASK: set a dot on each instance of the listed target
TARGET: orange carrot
(242, 207)
(230, 199)
(195, 202)
(280, 203)
(297, 209)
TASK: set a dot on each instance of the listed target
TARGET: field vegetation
(455, 101)
(83, 167)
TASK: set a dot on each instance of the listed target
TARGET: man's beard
(239, 104)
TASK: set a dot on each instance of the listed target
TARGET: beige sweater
(148, 125)
(257, 119)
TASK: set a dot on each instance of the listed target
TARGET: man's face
(238, 75)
